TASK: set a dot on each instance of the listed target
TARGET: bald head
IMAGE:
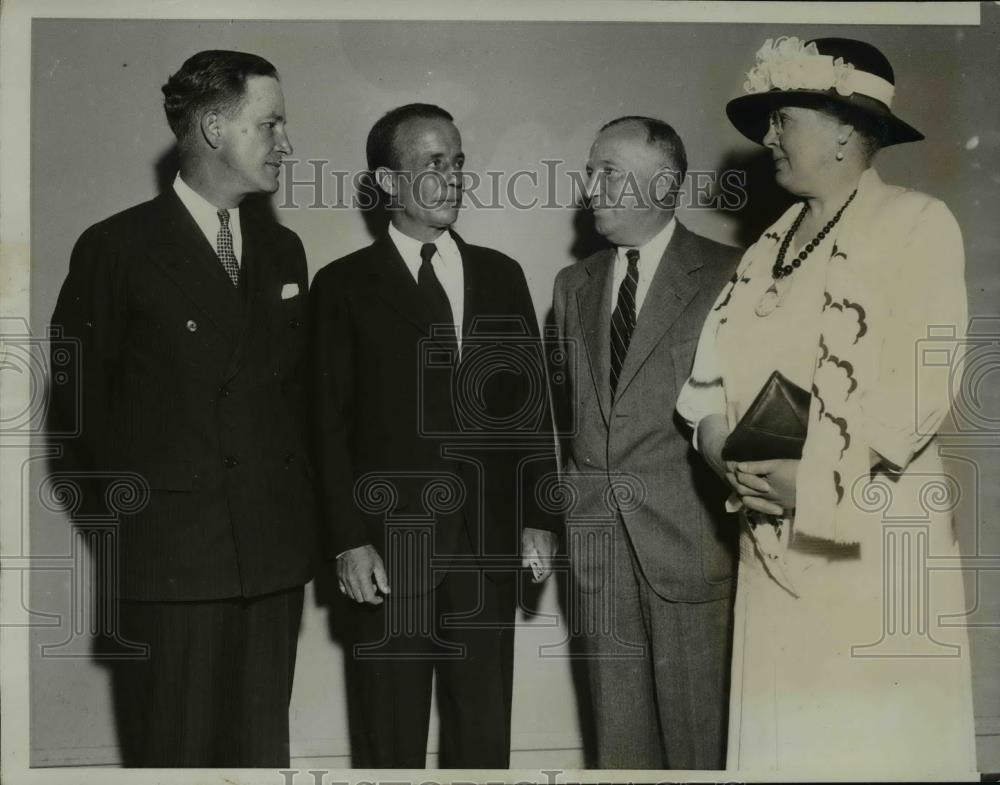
(635, 169)
(657, 134)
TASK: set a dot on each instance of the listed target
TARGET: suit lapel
(181, 250)
(474, 292)
(673, 286)
(397, 287)
(594, 307)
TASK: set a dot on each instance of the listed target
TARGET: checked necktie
(623, 318)
(224, 248)
(435, 296)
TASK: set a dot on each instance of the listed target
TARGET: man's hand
(538, 547)
(361, 575)
(765, 486)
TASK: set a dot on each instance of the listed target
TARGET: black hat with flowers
(851, 74)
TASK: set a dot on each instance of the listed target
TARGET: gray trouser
(658, 671)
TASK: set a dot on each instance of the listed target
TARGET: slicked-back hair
(381, 145)
(213, 79)
(661, 135)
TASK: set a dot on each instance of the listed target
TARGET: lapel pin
(289, 290)
(192, 325)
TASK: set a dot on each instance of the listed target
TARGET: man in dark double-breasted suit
(433, 437)
(190, 313)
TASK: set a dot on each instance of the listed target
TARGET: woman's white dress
(849, 660)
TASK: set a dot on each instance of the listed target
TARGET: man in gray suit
(651, 550)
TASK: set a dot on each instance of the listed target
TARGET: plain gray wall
(521, 93)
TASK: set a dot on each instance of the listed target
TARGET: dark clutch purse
(774, 426)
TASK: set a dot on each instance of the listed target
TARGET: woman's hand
(765, 486)
(712, 433)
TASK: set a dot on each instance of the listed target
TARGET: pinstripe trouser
(658, 671)
(215, 688)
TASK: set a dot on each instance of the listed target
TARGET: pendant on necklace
(768, 301)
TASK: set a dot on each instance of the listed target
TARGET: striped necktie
(224, 248)
(623, 318)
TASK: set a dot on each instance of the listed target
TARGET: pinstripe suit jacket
(634, 440)
(193, 391)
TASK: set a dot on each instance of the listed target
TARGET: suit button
(290, 458)
(223, 392)
(230, 462)
(295, 324)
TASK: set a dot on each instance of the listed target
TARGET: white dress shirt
(447, 264)
(205, 214)
(649, 262)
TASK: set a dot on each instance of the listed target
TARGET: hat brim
(749, 113)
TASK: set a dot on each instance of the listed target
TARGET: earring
(840, 153)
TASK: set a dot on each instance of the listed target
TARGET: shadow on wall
(91, 505)
(340, 612)
(763, 199)
(166, 167)
(586, 240)
(375, 212)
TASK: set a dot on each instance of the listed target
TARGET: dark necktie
(435, 295)
(623, 318)
(224, 248)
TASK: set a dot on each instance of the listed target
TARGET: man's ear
(666, 184)
(211, 128)
(385, 178)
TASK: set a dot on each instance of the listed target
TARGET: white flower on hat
(787, 63)
(757, 81)
(842, 76)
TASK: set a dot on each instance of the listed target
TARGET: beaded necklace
(771, 298)
(780, 269)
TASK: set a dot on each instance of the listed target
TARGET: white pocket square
(289, 290)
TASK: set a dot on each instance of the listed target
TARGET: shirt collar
(204, 212)
(651, 253)
(409, 248)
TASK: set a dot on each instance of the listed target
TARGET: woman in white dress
(849, 655)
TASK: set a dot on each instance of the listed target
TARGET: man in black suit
(190, 312)
(433, 434)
